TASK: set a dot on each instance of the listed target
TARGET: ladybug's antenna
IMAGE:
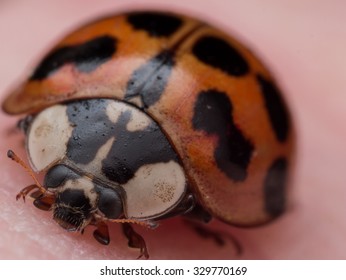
(18, 160)
(148, 224)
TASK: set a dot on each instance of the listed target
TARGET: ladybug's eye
(57, 176)
(110, 203)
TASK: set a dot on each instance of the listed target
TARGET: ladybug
(147, 115)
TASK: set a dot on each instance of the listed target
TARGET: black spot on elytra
(276, 108)
(213, 115)
(275, 187)
(149, 81)
(131, 149)
(86, 57)
(220, 54)
(154, 23)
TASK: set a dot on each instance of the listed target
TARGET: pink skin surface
(302, 42)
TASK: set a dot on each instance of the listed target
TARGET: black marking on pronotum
(220, 54)
(149, 81)
(130, 150)
(154, 23)
(278, 113)
(213, 115)
(86, 56)
(275, 187)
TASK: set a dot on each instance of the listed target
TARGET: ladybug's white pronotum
(143, 116)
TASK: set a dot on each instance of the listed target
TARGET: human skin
(303, 45)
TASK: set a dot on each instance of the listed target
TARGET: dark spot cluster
(275, 187)
(154, 23)
(86, 57)
(276, 108)
(130, 150)
(220, 54)
(149, 81)
(213, 115)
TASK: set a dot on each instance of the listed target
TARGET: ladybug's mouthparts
(68, 218)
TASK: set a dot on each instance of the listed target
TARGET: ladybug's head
(69, 195)
(75, 197)
(78, 201)
(72, 209)
(75, 200)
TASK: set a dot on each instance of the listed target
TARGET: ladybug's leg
(43, 201)
(24, 192)
(135, 240)
(198, 215)
(101, 233)
(219, 237)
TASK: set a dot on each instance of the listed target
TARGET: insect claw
(135, 240)
(19, 195)
(24, 192)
